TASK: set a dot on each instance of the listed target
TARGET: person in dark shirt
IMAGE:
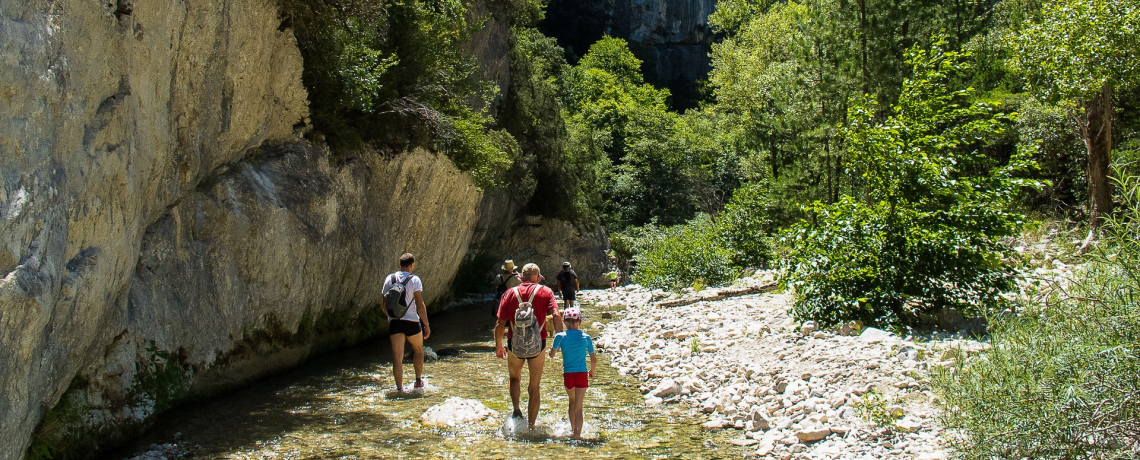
(568, 284)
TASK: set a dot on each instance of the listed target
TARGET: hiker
(522, 316)
(508, 278)
(575, 345)
(406, 324)
(567, 284)
(614, 277)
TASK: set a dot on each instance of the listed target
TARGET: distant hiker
(522, 316)
(575, 345)
(404, 305)
(614, 278)
(508, 278)
(568, 284)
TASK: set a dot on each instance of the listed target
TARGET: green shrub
(745, 224)
(1060, 380)
(924, 231)
(677, 257)
(393, 71)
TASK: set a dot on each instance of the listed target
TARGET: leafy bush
(1060, 380)
(394, 71)
(923, 234)
(744, 226)
(679, 256)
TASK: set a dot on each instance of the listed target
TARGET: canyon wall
(166, 233)
(672, 37)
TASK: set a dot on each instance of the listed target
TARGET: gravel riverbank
(790, 390)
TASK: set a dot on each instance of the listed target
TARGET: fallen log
(717, 295)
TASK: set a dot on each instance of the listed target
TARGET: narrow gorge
(167, 232)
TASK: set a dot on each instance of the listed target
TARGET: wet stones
(456, 411)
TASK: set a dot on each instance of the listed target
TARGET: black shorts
(568, 295)
(532, 357)
(402, 326)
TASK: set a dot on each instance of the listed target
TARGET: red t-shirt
(543, 303)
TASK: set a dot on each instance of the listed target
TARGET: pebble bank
(791, 390)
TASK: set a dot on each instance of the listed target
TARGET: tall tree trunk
(1096, 129)
(863, 45)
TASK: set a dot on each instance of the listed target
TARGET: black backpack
(395, 300)
(502, 289)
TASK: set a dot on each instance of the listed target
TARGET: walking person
(407, 319)
(522, 318)
(568, 285)
(614, 278)
(575, 345)
(508, 278)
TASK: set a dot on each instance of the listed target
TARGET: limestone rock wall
(112, 111)
(549, 242)
(672, 37)
(164, 233)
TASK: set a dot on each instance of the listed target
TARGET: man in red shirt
(543, 305)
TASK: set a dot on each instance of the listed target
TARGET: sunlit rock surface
(165, 233)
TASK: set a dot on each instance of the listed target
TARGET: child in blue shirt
(575, 346)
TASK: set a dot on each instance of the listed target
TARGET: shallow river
(344, 406)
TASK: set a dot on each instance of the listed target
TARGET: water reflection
(344, 405)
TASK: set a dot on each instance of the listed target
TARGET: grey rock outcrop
(672, 37)
(113, 112)
(674, 33)
(549, 242)
(165, 233)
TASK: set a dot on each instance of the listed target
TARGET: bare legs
(574, 410)
(534, 395)
(417, 342)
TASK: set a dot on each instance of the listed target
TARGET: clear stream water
(344, 406)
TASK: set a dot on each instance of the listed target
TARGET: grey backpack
(395, 300)
(526, 332)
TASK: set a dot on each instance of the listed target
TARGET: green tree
(923, 234)
(394, 72)
(1078, 52)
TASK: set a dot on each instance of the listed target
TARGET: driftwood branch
(717, 295)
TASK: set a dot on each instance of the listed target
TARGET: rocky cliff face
(671, 36)
(164, 232)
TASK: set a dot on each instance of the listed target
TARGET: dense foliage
(923, 234)
(1060, 378)
(393, 72)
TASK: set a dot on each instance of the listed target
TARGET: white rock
(874, 335)
(456, 411)
(813, 434)
(908, 424)
(716, 424)
(808, 327)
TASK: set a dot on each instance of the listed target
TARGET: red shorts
(576, 379)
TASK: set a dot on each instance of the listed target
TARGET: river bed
(343, 405)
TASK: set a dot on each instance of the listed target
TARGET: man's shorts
(402, 326)
(568, 295)
(576, 380)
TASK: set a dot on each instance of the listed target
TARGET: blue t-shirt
(575, 346)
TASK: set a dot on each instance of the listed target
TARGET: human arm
(500, 328)
(593, 355)
(553, 308)
(421, 308)
(557, 344)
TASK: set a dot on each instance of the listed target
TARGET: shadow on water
(344, 405)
